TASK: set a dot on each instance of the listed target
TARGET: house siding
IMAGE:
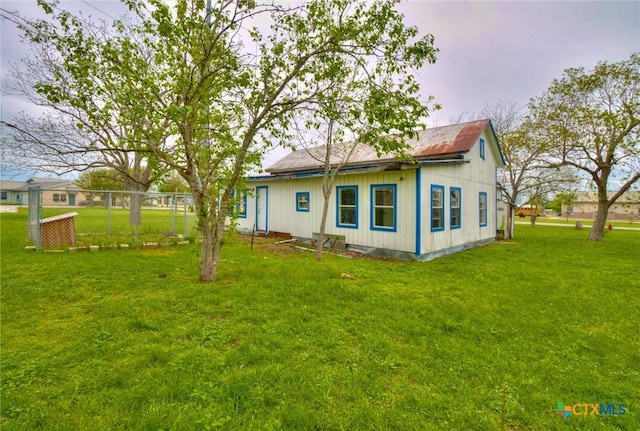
(283, 216)
(472, 178)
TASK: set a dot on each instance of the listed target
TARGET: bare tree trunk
(508, 232)
(217, 240)
(208, 262)
(323, 226)
(207, 225)
(137, 182)
(135, 209)
(211, 228)
(601, 218)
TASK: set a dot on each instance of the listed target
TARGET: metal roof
(446, 142)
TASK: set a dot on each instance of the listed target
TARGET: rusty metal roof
(434, 143)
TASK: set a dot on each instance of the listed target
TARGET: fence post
(35, 212)
(135, 206)
(174, 210)
(108, 213)
(184, 206)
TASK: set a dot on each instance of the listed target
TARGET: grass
(633, 223)
(108, 227)
(488, 339)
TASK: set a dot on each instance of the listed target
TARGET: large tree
(85, 122)
(590, 120)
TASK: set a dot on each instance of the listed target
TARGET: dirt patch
(294, 247)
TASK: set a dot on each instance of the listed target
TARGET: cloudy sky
(489, 50)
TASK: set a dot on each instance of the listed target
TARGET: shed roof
(446, 142)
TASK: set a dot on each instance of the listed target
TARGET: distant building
(585, 205)
(55, 192)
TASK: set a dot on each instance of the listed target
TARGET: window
(483, 209)
(56, 197)
(302, 201)
(455, 202)
(241, 205)
(437, 208)
(347, 206)
(63, 197)
(383, 207)
(482, 149)
(3, 196)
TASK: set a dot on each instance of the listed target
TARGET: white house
(441, 202)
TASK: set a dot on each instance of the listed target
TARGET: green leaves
(590, 121)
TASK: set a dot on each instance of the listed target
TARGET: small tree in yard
(591, 121)
(370, 100)
(525, 173)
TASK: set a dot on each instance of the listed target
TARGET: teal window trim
(482, 149)
(345, 209)
(302, 202)
(381, 209)
(437, 208)
(482, 209)
(239, 203)
(455, 212)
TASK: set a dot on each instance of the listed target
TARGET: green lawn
(585, 221)
(489, 339)
(110, 227)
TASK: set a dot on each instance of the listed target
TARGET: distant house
(444, 201)
(55, 192)
(585, 205)
(13, 192)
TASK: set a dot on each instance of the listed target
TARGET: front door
(72, 200)
(262, 208)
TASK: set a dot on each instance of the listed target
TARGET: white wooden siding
(472, 178)
(283, 217)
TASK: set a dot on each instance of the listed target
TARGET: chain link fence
(78, 219)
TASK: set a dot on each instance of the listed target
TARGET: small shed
(58, 230)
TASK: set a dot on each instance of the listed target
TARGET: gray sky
(512, 50)
(489, 50)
